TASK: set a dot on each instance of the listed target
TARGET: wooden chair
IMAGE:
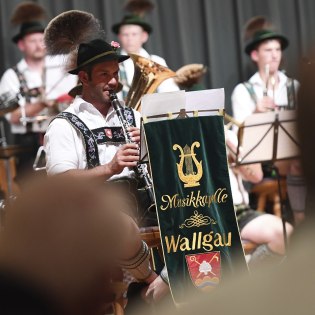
(268, 191)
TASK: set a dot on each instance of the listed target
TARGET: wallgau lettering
(199, 240)
(195, 200)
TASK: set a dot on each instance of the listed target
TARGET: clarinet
(140, 170)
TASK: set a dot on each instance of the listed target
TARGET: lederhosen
(107, 135)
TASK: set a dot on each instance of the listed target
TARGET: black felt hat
(263, 35)
(132, 20)
(96, 51)
(28, 28)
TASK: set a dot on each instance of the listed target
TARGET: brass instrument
(267, 78)
(147, 77)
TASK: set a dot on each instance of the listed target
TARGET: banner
(199, 233)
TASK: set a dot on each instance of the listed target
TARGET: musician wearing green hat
(269, 89)
(30, 90)
(133, 32)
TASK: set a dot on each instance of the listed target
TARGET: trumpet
(270, 80)
(267, 78)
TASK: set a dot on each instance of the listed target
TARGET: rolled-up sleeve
(63, 147)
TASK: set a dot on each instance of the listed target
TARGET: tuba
(147, 77)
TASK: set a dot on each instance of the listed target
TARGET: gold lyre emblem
(192, 175)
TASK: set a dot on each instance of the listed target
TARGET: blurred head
(62, 236)
(132, 37)
(32, 46)
(306, 119)
(133, 31)
(268, 52)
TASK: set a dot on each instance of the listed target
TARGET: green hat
(133, 20)
(263, 35)
(28, 28)
(96, 51)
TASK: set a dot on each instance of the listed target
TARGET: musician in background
(268, 89)
(37, 80)
(133, 32)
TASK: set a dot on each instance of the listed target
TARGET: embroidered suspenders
(290, 93)
(24, 90)
(93, 138)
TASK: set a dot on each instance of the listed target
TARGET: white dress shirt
(57, 83)
(64, 145)
(242, 103)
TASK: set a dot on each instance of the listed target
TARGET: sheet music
(261, 140)
(162, 106)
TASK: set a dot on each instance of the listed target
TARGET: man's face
(103, 79)
(32, 46)
(268, 52)
(132, 37)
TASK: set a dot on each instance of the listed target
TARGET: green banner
(200, 237)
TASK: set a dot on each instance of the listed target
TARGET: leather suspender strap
(98, 136)
(90, 144)
(291, 94)
(251, 91)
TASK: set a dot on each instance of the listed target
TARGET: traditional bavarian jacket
(245, 95)
(66, 149)
(55, 81)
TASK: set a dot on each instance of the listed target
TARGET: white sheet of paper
(168, 105)
(257, 142)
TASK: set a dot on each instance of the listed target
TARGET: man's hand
(126, 156)
(155, 291)
(134, 133)
(265, 104)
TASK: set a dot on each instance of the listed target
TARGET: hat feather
(139, 7)
(27, 11)
(69, 29)
(189, 74)
(254, 25)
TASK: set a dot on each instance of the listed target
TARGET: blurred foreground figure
(58, 249)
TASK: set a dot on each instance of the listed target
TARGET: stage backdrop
(192, 31)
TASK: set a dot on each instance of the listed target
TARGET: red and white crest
(108, 133)
(204, 270)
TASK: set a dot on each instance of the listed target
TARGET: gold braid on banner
(147, 77)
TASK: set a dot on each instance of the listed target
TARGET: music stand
(269, 137)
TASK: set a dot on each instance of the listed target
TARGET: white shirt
(57, 83)
(239, 193)
(242, 103)
(166, 86)
(64, 146)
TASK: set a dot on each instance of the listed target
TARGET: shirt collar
(80, 105)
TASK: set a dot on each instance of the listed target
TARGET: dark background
(192, 31)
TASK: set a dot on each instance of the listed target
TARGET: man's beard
(38, 55)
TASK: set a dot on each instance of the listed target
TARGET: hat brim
(119, 58)
(253, 44)
(145, 26)
(32, 30)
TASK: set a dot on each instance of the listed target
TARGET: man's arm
(249, 172)
(65, 153)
